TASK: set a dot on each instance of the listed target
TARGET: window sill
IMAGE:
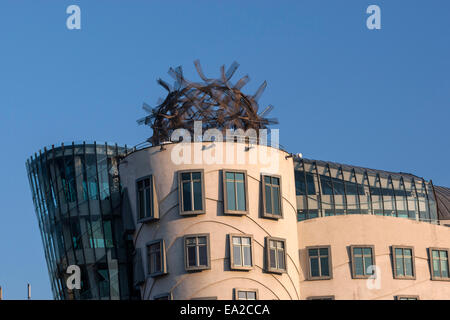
(272, 216)
(191, 213)
(319, 278)
(235, 213)
(155, 275)
(233, 268)
(440, 279)
(405, 278)
(277, 271)
(147, 220)
(193, 269)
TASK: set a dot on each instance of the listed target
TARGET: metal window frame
(263, 187)
(390, 181)
(226, 210)
(330, 264)
(352, 247)
(408, 297)
(208, 252)
(233, 266)
(162, 258)
(167, 295)
(394, 263)
(237, 290)
(430, 259)
(321, 298)
(180, 192)
(267, 249)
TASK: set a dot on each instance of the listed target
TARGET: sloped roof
(358, 169)
(443, 202)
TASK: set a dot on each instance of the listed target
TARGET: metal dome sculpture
(217, 103)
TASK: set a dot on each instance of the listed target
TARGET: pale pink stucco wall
(341, 231)
(219, 281)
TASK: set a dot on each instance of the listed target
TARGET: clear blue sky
(341, 92)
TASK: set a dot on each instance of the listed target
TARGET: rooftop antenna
(29, 291)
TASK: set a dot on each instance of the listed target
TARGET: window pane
(245, 241)
(436, 271)
(247, 256)
(237, 255)
(444, 267)
(201, 240)
(187, 202)
(198, 195)
(148, 202)
(141, 204)
(281, 264)
(229, 175)
(186, 176)
(359, 266)
(236, 240)
(357, 251)
(268, 196)
(251, 295)
(239, 176)
(324, 266)
(408, 267)
(399, 264)
(240, 196)
(196, 175)
(231, 199)
(367, 263)
(191, 256)
(313, 252)
(242, 295)
(276, 200)
(314, 267)
(203, 257)
(435, 254)
(272, 259)
(324, 251)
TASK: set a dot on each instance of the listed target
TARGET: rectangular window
(403, 262)
(235, 192)
(245, 294)
(156, 258)
(321, 298)
(304, 186)
(363, 260)
(272, 196)
(163, 296)
(319, 259)
(439, 264)
(406, 297)
(241, 255)
(276, 255)
(191, 192)
(147, 206)
(196, 252)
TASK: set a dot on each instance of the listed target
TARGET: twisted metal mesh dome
(218, 103)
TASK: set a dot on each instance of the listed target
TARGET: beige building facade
(265, 226)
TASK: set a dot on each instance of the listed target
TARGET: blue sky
(341, 92)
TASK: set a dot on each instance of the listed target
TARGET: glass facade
(327, 189)
(77, 198)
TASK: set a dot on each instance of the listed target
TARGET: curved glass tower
(77, 197)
